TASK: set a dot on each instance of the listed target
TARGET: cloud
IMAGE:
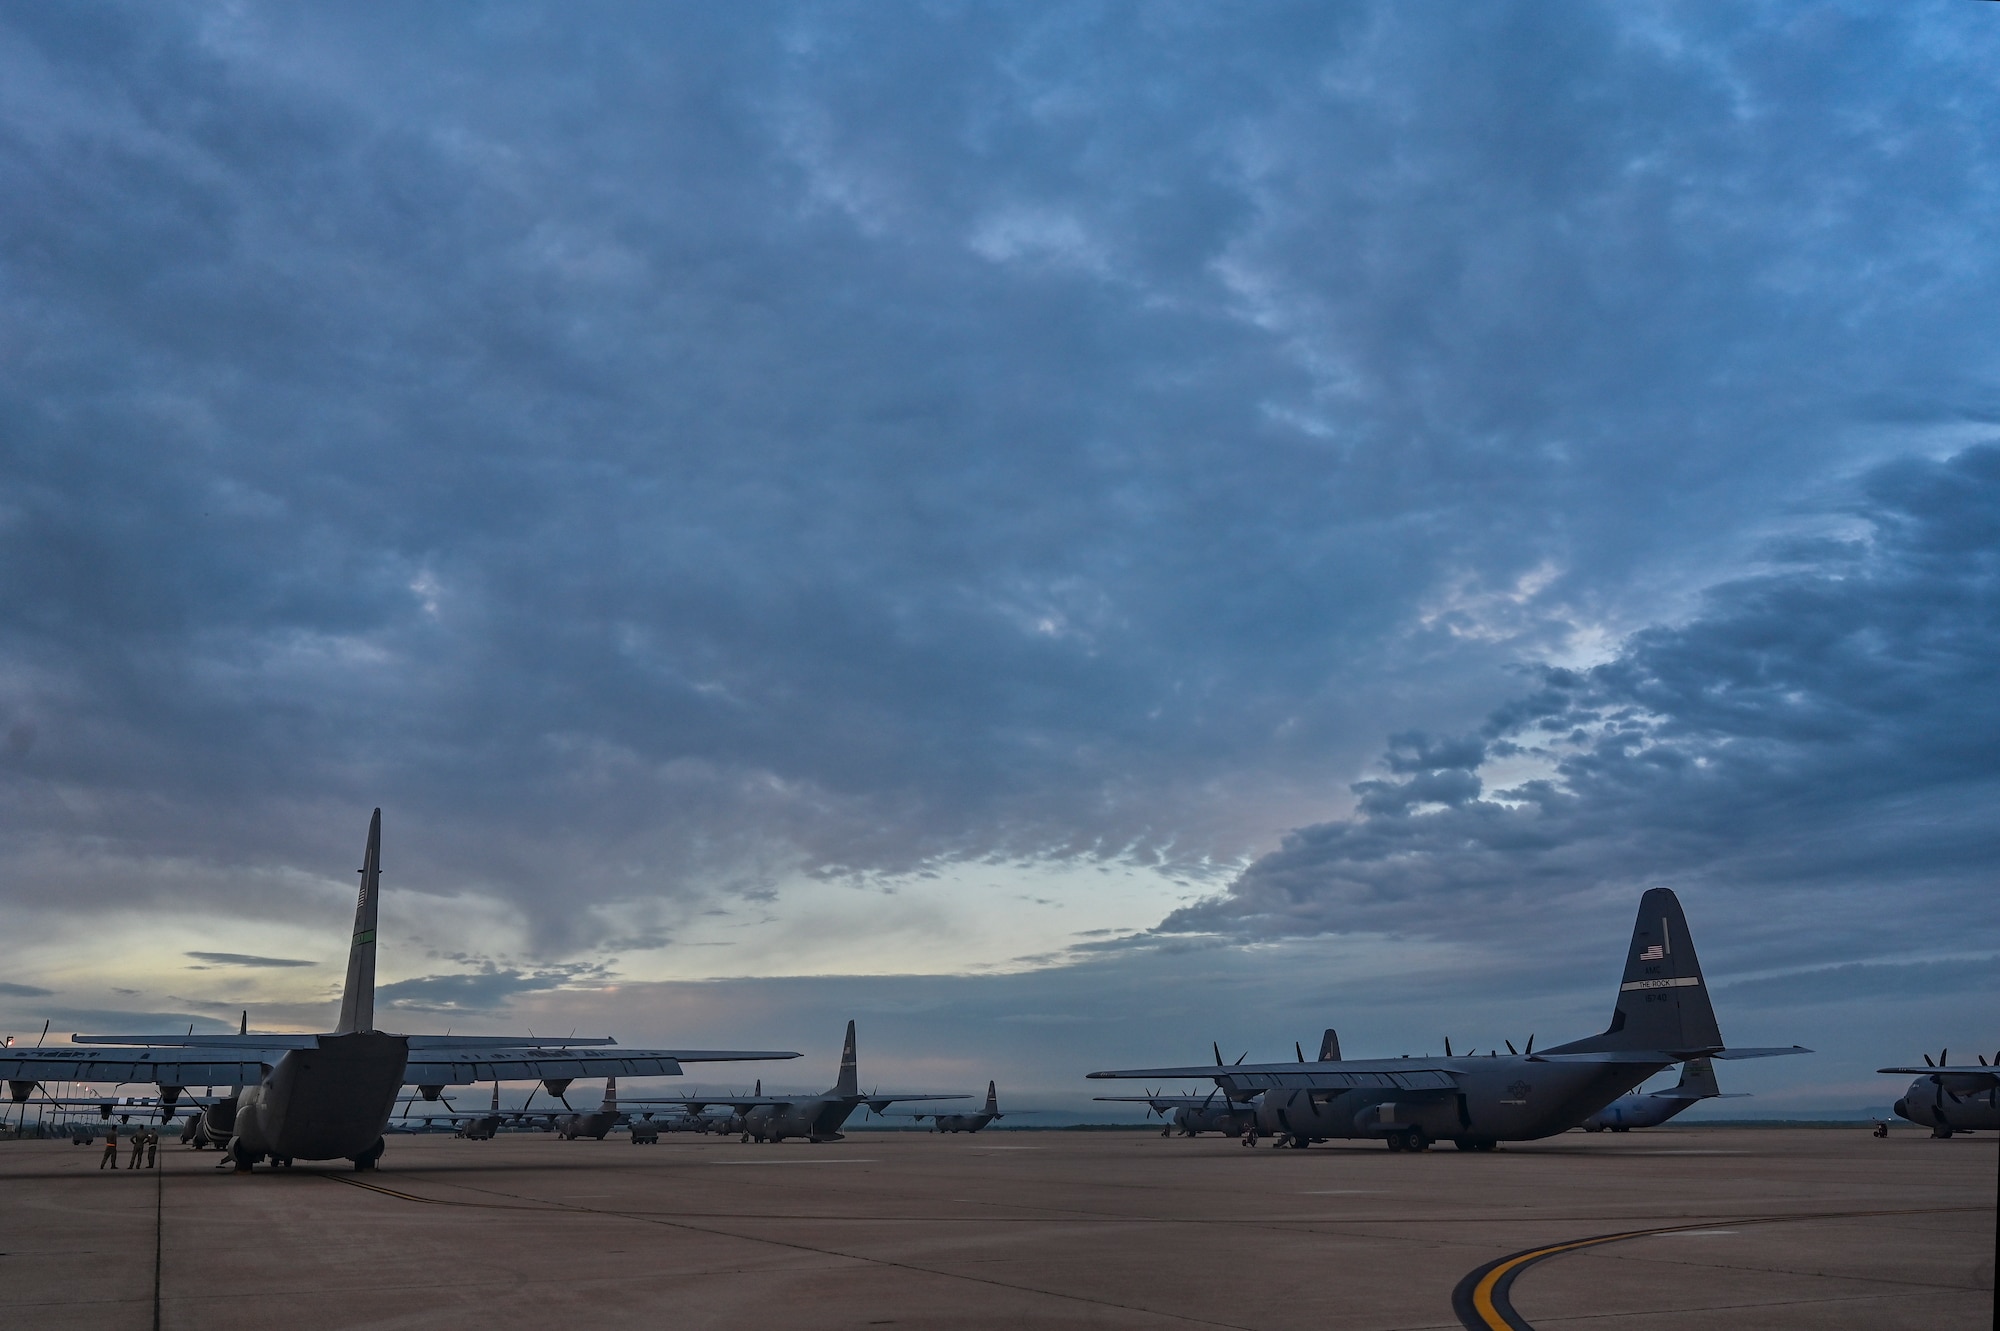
(1817, 746)
(1859, 982)
(242, 959)
(12, 990)
(739, 444)
(485, 990)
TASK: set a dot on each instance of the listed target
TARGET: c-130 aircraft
(330, 1097)
(1662, 1017)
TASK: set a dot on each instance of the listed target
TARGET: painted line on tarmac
(842, 1161)
(1483, 1300)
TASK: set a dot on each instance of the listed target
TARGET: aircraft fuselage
(1494, 1099)
(1231, 1121)
(331, 1102)
(1636, 1111)
(817, 1120)
(1945, 1104)
(961, 1122)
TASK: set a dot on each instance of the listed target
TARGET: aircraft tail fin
(1329, 1046)
(992, 1099)
(610, 1095)
(357, 1000)
(1662, 1001)
(1698, 1079)
(849, 1082)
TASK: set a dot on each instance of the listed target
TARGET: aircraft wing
(1248, 1077)
(1213, 1100)
(192, 1067)
(1988, 1073)
(435, 1066)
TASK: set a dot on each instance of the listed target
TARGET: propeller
(1299, 1050)
(1447, 1046)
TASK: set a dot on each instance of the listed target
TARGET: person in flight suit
(110, 1156)
(138, 1147)
(152, 1148)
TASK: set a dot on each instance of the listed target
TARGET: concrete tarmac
(1820, 1228)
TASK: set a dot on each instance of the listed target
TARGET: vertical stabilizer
(992, 1100)
(849, 1083)
(610, 1105)
(1329, 1046)
(357, 1000)
(496, 1095)
(1698, 1079)
(1662, 1001)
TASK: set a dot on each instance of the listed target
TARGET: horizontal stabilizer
(1774, 1051)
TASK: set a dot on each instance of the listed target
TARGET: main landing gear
(1474, 1144)
(366, 1160)
(1409, 1139)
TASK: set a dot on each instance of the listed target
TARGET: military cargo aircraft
(1697, 1083)
(817, 1118)
(329, 1097)
(1662, 1016)
(1193, 1115)
(1949, 1099)
(478, 1127)
(594, 1123)
(972, 1122)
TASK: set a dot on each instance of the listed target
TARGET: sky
(1065, 533)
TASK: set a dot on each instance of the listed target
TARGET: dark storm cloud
(1815, 753)
(654, 454)
(242, 959)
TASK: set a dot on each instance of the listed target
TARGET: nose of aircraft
(1902, 1108)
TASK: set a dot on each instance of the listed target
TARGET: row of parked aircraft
(333, 1096)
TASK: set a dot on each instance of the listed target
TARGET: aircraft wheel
(1597, 1128)
(367, 1159)
(1942, 1132)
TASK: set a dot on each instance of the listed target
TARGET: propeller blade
(1299, 1050)
(1240, 1057)
(1447, 1046)
(1217, 1047)
(1531, 1042)
(1511, 1049)
(1927, 1061)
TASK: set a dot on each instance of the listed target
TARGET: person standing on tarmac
(110, 1156)
(152, 1148)
(138, 1147)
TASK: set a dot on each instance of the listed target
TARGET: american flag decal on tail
(1654, 953)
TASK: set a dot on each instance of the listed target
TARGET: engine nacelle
(431, 1092)
(557, 1085)
(21, 1090)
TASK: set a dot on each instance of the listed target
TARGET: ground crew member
(110, 1148)
(152, 1148)
(138, 1147)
